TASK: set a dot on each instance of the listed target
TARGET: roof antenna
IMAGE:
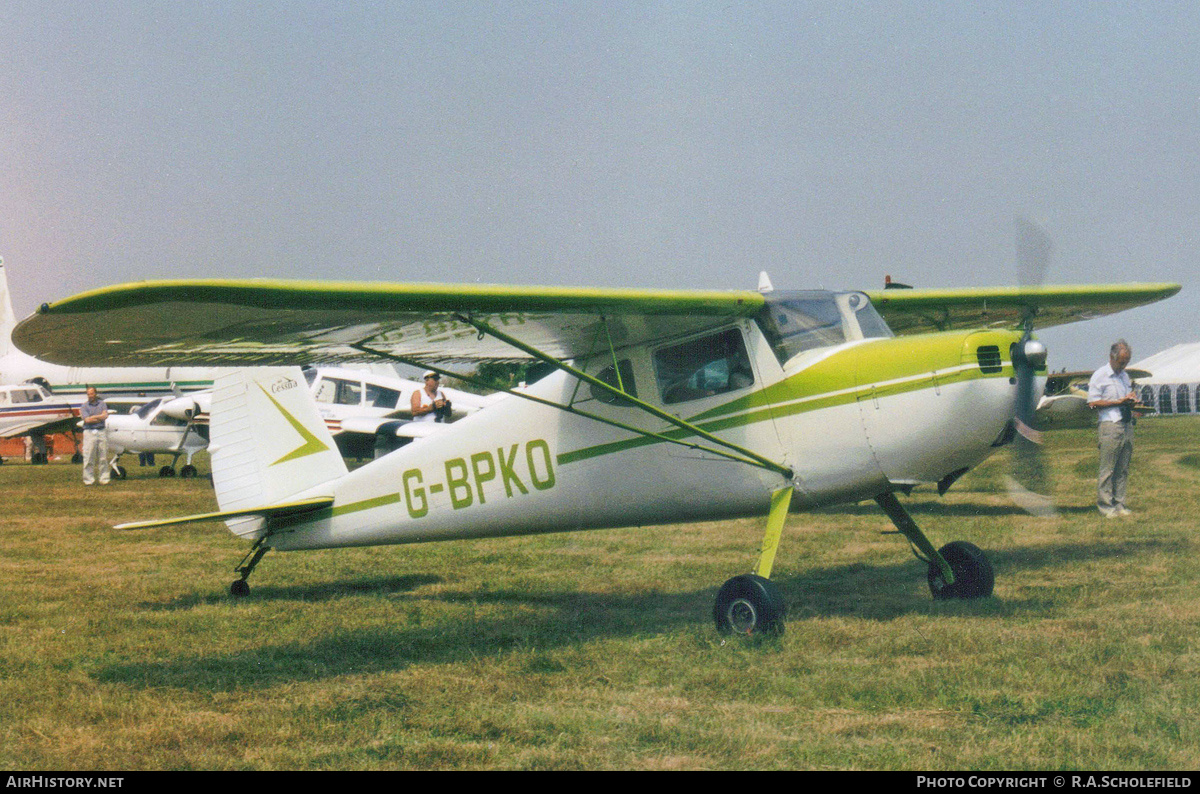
(764, 283)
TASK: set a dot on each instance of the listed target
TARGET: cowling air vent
(989, 359)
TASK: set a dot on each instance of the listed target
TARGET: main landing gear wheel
(749, 604)
(166, 471)
(240, 588)
(187, 471)
(973, 574)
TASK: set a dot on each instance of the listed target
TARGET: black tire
(749, 604)
(119, 472)
(187, 471)
(77, 458)
(973, 574)
(240, 588)
(166, 471)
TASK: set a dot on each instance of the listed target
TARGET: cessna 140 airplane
(665, 405)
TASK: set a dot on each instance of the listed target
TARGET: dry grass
(595, 650)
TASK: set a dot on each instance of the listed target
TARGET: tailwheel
(749, 604)
(973, 574)
(240, 588)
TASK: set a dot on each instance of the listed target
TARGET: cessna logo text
(283, 384)
(505, 473)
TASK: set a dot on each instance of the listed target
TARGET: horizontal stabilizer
(296, 508)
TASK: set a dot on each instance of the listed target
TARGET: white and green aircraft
(664, 405)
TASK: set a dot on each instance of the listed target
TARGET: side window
(3, 398)
(609, 376)
(327, 391)
(703, 367)
(349, 392)
(342, 392)
(379, 397)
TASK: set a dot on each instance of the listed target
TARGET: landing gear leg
(956, 570)
(750, 603)
(240, 587)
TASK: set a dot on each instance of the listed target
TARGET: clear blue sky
(656, 144)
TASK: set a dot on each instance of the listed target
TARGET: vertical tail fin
(268, 442)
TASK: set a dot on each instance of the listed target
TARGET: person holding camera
(430, 403)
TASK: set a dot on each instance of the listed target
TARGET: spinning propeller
(1029, 481)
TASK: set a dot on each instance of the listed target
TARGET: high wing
(257, 322)
(266, 322)
(923, 310)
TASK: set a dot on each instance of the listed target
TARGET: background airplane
(666, 406)
(28, 409)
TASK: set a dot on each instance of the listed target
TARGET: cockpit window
(145, 410)
(703, 367)
(20, 396)
(797, 321)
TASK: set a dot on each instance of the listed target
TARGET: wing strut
(739, 454)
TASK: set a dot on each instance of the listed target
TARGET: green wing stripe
(381, 296)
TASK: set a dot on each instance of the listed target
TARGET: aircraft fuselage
(851, 421)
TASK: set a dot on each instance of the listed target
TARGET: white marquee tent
(1174, 383)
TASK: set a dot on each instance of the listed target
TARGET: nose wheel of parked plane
(973, 574)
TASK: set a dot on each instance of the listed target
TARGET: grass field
(597, 650)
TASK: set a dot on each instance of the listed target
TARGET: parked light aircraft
(367, 413)
(29, 409)
(665, 406)
(153, 427)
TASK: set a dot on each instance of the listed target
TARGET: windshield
(799, 321)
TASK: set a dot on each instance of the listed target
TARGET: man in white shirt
(1111, 393)
(428, 402)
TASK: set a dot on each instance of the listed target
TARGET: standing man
(1111, 393)
(94, 413)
